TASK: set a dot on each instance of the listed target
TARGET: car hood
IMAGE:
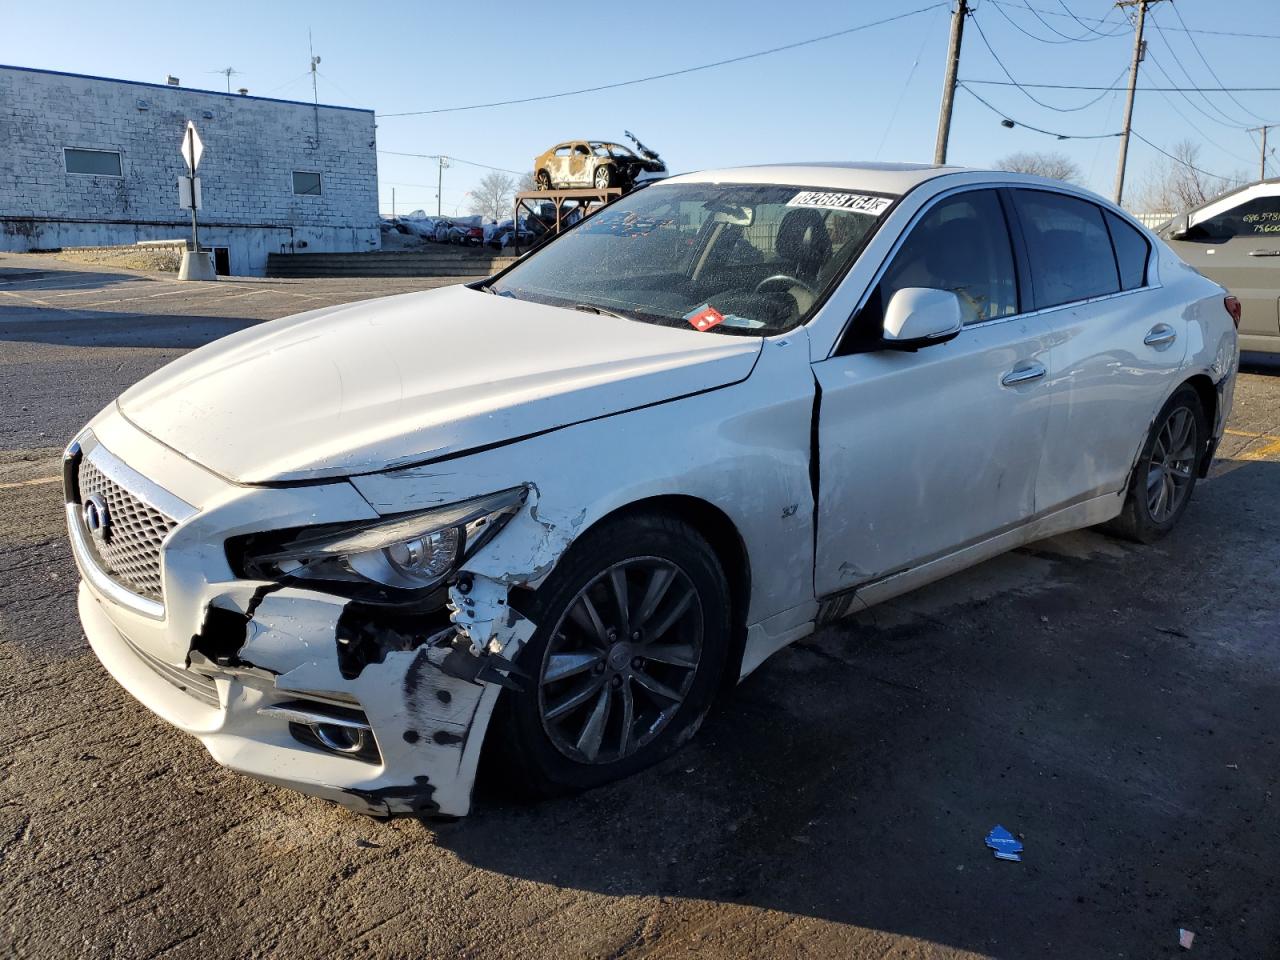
(379, 384)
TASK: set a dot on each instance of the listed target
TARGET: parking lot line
(29, 483)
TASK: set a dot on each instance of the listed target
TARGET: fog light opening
(341, 739)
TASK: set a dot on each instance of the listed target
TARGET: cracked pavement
(1115, 706)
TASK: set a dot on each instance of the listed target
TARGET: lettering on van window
(1268, 221)
(855, 202)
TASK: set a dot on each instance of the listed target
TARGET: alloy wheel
(621, 660)
(1173, 460)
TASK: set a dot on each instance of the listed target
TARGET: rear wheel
(603, 178)
(632, 639)
(543, 180)
(1165, 475)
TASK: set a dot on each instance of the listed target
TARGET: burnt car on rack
(597, 164)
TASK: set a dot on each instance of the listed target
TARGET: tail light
(1233, 307)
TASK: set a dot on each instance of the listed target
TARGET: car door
(1239, 247)
(579, 166)
(559, 164)
(1118, 344)
(923, 453)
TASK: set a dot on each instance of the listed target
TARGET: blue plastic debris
(1004, 843)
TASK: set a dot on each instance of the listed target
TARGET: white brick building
(90, 161)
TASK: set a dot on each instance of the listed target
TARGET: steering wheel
(789, 280)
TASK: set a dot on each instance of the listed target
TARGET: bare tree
(492, 198)
(526, 183)
(1177, 184)
(1056, 165)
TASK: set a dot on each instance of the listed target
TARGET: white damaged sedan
(545, 518)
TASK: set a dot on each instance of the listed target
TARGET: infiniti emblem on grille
(96, 519)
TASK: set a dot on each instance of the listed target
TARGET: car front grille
(129, 553)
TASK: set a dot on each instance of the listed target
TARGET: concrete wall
(252, 147)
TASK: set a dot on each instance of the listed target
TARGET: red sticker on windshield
(704, 317)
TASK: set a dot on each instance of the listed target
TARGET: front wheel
(603, 178)
(1165, 475)
(632, 637)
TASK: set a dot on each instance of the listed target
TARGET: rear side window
(1068, 248)
(1132, 252)
(962, 245)
(1254, 218)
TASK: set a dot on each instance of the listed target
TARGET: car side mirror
(1179, 227)
(918, 317)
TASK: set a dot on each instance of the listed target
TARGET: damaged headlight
(389, 558)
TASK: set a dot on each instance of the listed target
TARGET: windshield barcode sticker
(855, 202)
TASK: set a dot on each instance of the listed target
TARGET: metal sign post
(195, 264)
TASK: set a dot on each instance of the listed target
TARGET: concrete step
(447, 262)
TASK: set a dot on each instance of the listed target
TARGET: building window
(306, 184)
(92, 163)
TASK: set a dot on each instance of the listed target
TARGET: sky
(872, 94)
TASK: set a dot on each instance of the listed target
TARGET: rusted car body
(594, 163)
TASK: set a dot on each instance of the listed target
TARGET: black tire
(602, 182)
(521, 756)
(543, 180)
(1137, 521)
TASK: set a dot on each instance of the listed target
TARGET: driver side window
(961, 245)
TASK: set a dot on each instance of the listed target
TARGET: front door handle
(1264, 253)
(1023, 373)
(1161, 335)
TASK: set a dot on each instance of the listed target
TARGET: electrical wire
(1050, 27)
(1213, 73)
(1018, 123)
(451, 158)
(1111, 89)
(1048, 106)
(1180, 160)
(669, 73)
(1072, 15)
(902, 93)
(999, 8)
(1213, 33)
(1222, 117)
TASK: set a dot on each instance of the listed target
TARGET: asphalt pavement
(1115, 706)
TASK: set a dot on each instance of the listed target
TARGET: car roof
(884, 177)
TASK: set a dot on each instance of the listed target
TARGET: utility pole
(315, 90)
(1262, 166)
(949, 82)
(1139, 51)
(444, 162)
(393, 203)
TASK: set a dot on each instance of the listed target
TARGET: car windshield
(730, 258)
(611, 150)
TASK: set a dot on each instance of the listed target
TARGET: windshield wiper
(599, 311)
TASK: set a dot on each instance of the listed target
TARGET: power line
(1144, 89)
(1213, 73)
(451, 158)
(1026, 93)
(1201, 32)
(1072, 15)
(1226, 120)
(998, 8)
(670, 73)
(1180, 160)
(1018, 123)
(1048, 26)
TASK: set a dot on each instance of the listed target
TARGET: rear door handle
(1161, 335)
(1023, 373)
(1264, 253)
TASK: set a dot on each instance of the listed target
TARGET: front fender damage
(427, 679)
